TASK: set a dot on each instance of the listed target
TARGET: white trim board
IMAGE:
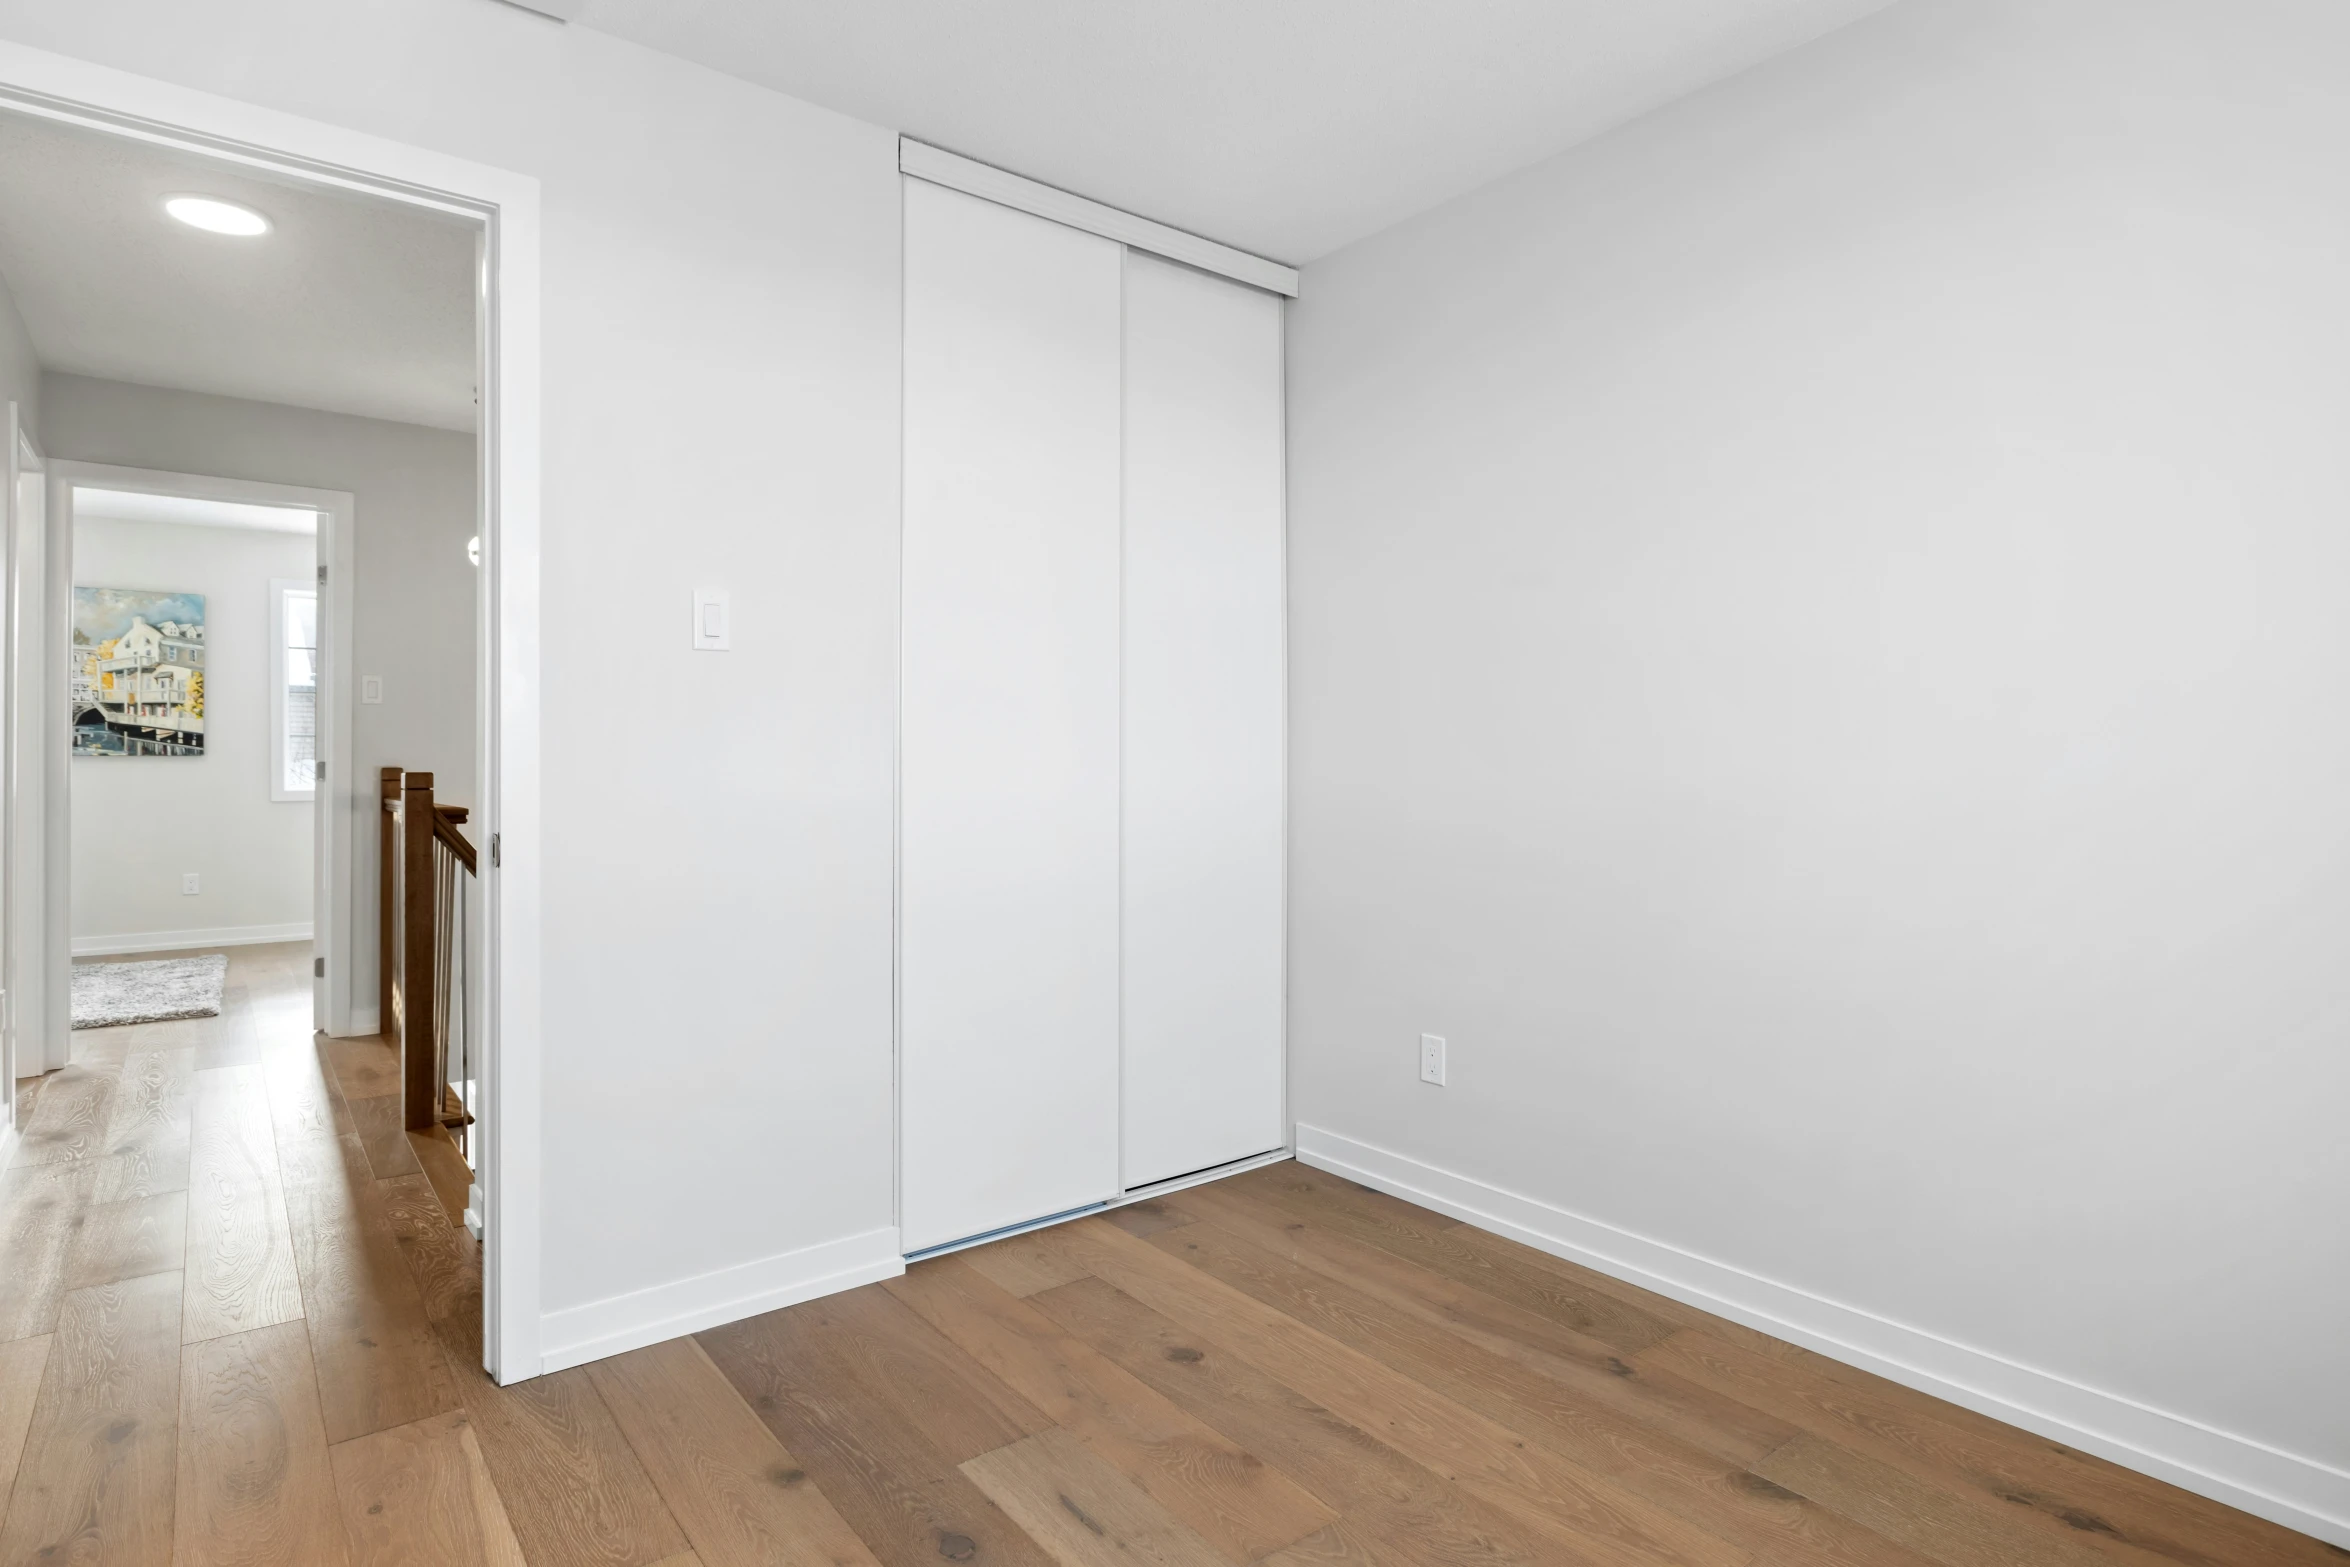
(613, 1326)
(620, 1323)
(183, 940)
(25, 1042)
(2299, 1493)
(990, 183)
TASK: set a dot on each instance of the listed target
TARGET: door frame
(332, 912)
(24, 461)
(506, 207)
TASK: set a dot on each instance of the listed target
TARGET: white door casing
(507, 207)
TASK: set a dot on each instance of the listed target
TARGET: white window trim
(279, 587)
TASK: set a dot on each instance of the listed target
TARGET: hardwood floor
(240, 1323)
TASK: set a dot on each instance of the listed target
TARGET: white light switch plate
(713, 621)
(371, 688)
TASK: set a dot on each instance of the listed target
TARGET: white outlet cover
(1432, 1059)
(189, 885)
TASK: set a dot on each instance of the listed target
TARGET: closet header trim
(985, 180)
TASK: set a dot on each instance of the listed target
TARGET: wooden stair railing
(422, 951)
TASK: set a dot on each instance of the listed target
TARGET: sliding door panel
(1203, 744)
(1009, 794)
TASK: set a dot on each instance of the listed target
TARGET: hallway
(238, 1324)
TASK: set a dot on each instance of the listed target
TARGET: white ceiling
(1285, 127)
(349, 304)
(189, 511)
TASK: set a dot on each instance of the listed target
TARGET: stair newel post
(418, 1069)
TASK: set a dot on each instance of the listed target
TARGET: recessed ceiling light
(216, 217)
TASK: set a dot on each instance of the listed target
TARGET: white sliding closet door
(1204, 722)
(1009, 753)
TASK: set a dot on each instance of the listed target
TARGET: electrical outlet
(188, 886)
(1432, 1059)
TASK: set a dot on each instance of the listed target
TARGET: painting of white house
(138, 673)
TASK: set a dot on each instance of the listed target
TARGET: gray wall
(1818, 652)
(413, 620)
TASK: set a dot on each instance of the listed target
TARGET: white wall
(1817, 643)
(412, 623)
(720, 317)
(20, 370)
(140, 823)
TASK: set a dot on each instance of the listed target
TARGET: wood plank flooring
(240, 1322)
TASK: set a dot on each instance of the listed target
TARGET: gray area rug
(106, 995)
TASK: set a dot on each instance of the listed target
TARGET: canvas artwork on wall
(138, 673)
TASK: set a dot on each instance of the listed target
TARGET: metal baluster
(444, 896)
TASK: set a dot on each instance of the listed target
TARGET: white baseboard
(579, 1334)
(181, 940)
(2300, 1493)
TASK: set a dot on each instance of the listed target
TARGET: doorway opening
(193, 613)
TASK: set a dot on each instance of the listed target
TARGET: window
(293, 696)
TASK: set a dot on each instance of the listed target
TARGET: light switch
(711, 620)
(371, 688)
